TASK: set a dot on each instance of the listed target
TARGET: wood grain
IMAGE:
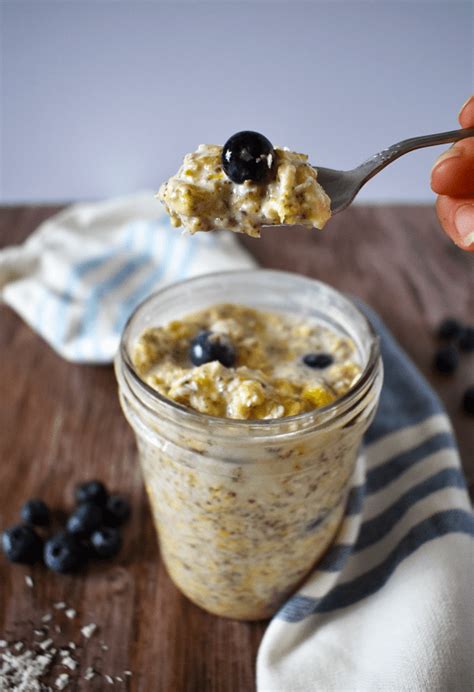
(61, 423)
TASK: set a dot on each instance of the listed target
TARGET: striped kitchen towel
(79, 276)
(391, 606)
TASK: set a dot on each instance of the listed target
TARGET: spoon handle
(377, 162)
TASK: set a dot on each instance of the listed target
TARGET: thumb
(457, 218)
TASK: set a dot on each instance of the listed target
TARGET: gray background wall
(104, 97)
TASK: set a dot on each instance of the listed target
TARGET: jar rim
(270, 426)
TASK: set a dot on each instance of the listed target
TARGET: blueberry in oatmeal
(208, 346)
(234, 361)
(318, 360)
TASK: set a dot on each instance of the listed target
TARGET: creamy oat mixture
(269, 378)
(241, 520)
(200, 197)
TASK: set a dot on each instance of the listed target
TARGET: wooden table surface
(61, 423)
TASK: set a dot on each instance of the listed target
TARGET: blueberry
(35, 512)
(248, 156)
(468, 400)
(106, 542)
(22, 544)
(117, 511)
(208, 346)
(85, 519)
(64, 553)
(318, 360)
(466, 340)
(91, 491)
(449, 328)
(446, 359)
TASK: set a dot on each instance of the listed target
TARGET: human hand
(452, 178)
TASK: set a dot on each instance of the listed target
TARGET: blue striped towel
(79, 276)
(391, 606)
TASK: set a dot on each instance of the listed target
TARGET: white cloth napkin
(79, 276)
(391, 606)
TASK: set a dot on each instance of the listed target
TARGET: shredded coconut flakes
(62, 681)
(88, 630)
(89, 674)
(23, 673)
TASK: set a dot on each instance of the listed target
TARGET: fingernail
(465, 104)
(464, 224)
(446, 155)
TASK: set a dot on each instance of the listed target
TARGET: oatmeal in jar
(244, 185)
(248, 424)
(234, 361)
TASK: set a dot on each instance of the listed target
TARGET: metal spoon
(343, 186)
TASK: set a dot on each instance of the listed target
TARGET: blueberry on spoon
(250, 156)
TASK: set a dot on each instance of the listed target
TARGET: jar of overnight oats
(245, 508)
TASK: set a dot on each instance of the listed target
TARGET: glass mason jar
(245, 508)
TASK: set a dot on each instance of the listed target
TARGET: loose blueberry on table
(117, 511)
(466, 340)
(446, 359)
(85, 519)
(106, 542)
(35, 512)
(91, 530)
(468, 400)
(22, 544)
(63, 553)
(450, 328)
(91, 491)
